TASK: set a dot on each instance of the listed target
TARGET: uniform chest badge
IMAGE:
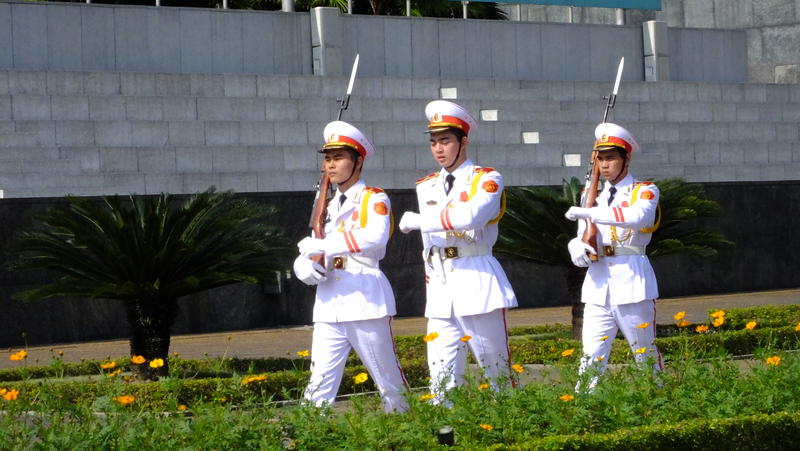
(431, 202)
(624, 204)
(355, 216)
(464, 196)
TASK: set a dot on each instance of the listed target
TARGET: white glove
(309, 246)
(410, 221)
(578, 252)
(309, 272)
(575, 213)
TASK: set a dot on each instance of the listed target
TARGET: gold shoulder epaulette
(373, 189)
(643, 183)
(483, 170)
(427, 177)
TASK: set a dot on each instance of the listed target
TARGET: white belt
(613, 251)
(435, 255)
(351, 261)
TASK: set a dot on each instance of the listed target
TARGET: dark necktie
(448, 183)
(611, 192)
(342, 198)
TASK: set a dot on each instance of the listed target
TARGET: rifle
(324, 193)
(593, 174)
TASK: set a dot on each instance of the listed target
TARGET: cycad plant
(148, 251)
(534, 229)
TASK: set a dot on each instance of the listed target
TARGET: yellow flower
(701, 328)
(774, 360)
(483, 386)
(137, 360)
(751, 325)
(11, 395)
(303, 353)
(599, 358)
(566, 397)
(431, 336)
(567, 352)
(115, 372)
(181, 407)
(156, 363)
(125, 399)
(466, 338)
(641, 350)
(259, 378)
(719, 321)
(3, 391)
(488, 427)
(604, 338)
(222, 400)
(797, 327)
(427, 396)
(517, 368)
(360, 378)
(108, 365)
(718, 314)
(643, 325)
(19, 355)
(683, 323)
(679, 316)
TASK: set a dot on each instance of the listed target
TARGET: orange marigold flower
(517, 368)
(483, 386)
(566, 397)
(11, 395)
(751, 325)
(303, 353)
(125, 399)
(701, 328)
(567, 352)
(156, 363)
(19, 355)
(115, 372)
(641, 350)
(683, 323)
(427, 397)
(718, 314)
(643, 325)
(466, 338)
(719, 321)
(3, 391)
(258, 378)
(774, 360)
(137, 360)
(360, 378)
(431, 336)
(679, 316)
(181, 407)
(108, 365)
(488, 427)
(797, 327)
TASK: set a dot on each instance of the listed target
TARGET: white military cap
(340, 134)
(443, 115)
(608, 135)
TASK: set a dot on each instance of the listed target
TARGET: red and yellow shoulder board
(483, 170)
(427, 177)
(373, 189)
(643, 183)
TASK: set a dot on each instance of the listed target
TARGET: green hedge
(753, 432)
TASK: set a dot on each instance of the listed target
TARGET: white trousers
(373, 342)
(600, 325)
(447, 353)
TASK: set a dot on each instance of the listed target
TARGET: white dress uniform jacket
(623, 279)
(466, 218)
(359, 231)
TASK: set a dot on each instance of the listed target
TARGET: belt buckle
(608, 251)
(451, 252)
(338, 262)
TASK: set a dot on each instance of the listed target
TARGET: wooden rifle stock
(320, 213)
(589, 199)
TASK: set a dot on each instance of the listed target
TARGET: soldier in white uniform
(354, 303)
(620, 288)
(467, 291)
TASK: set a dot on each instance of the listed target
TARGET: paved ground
(279, 342)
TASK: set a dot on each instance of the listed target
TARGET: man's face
(445, 146)
(339, 165)
(611, 164)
